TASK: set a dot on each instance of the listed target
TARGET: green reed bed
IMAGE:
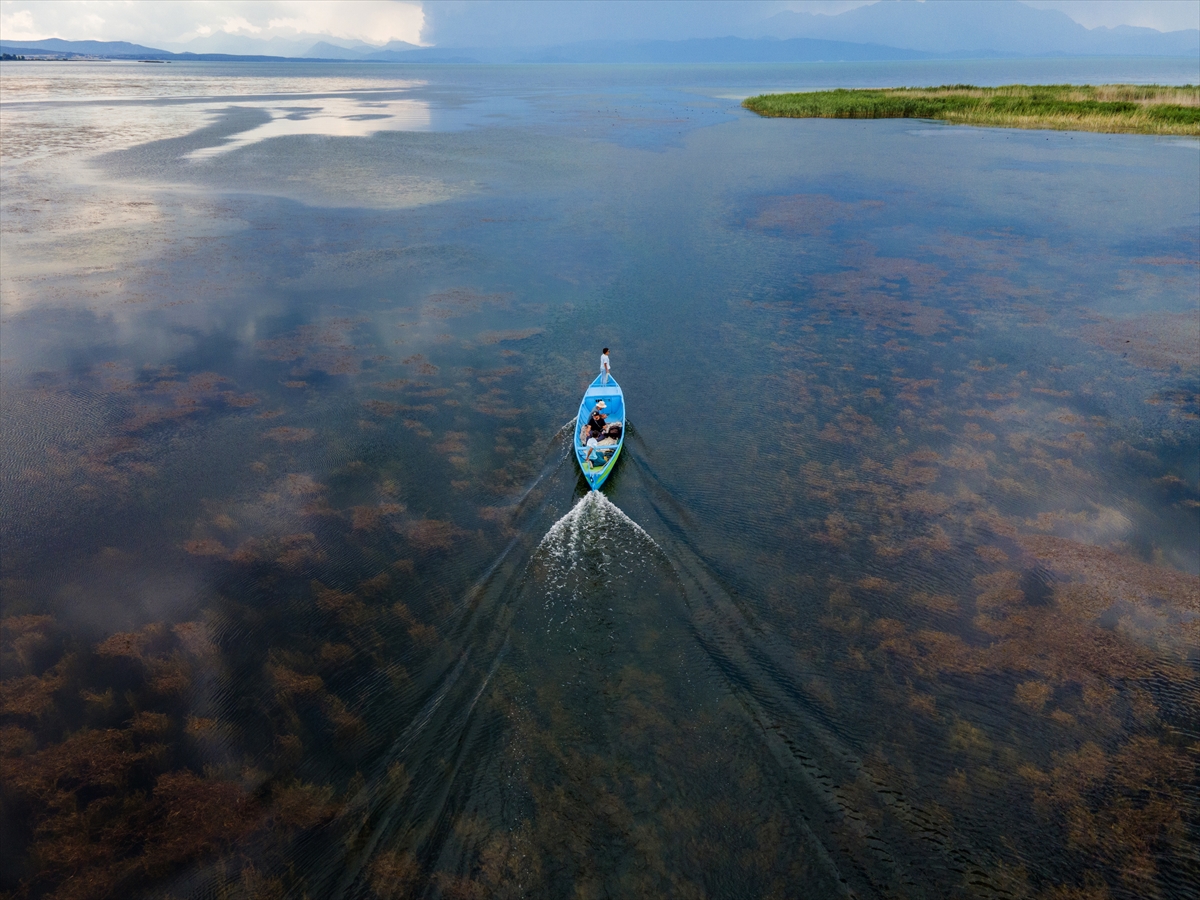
(1113, 108)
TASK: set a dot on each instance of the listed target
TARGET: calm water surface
(894, 592)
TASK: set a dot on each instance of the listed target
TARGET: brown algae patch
(809, 214)
(1160, 341)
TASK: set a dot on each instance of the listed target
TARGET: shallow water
(895, 590)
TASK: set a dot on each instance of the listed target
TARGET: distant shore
(1111, 108)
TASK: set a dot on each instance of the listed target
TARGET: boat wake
(594, 549)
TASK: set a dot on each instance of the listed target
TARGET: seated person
(587, 431)
(597, 421)
(593, 446)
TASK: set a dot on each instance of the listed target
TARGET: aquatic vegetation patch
(164, 775)
(108, 803)
(888, 293)
(1162, 341)
(1060, 606)
(509, 335)
(1122, 108)
(809, 214)
(457, 302)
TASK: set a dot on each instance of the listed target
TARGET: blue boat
(596, 462)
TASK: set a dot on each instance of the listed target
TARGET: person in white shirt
(604, 370)
(593, 445)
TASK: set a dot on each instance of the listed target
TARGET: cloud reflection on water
(328, 117)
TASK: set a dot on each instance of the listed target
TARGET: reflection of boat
(604, 455)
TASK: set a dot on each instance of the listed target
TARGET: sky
(180, 21)
(172, 23)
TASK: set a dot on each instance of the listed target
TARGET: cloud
(373, 22)
(237, 24)
(173, 21)
(18, 26)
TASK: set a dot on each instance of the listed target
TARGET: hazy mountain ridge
(968, 25)
(882, 31)
(295, 46)
(326, 50)
(719, 50)
(107, 49)
(697, 50)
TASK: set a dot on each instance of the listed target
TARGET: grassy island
(1123, 108)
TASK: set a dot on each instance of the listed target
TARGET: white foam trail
(567, 435)
(594, 540)
(589, 523)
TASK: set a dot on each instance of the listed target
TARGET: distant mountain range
(59, 49)
(700, 50)
(326, 50)
(884, 31)
(972, 25)
(104, 49)
(321, 51)
(719, 50)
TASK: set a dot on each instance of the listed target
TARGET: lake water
(895, 591)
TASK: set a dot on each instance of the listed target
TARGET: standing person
(604, 370)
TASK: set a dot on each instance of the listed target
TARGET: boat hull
(596, 470)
